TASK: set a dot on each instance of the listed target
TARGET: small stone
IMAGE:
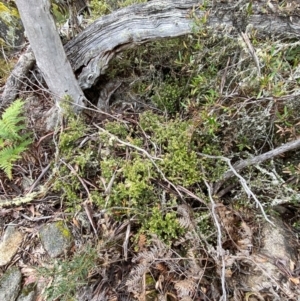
(56, 238)
(10, 284)
(277, 247)
(9, 245)
(27, 293)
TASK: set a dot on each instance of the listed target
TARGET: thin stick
(263, 157)
(220, 248)
(243, 183)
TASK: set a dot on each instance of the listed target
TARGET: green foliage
(60, 12)
(11, 33)
(7, 13)
(67, 276)
(164, 225)
(13, 141)
(75, 161)
(128, 181)
(169, 95)
(99, 8)
(104, 7)
(179, 160)
(5, 68)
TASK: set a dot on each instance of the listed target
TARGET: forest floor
(183, 186)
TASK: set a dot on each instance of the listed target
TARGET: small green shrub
(104, 7)
(75, 161)
(169, 95)
(13, 141)
(164, 225)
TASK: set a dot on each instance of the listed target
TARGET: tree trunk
(49, 52)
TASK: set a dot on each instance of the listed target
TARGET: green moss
(104, 7)
(7, 12)
(64, 230)
(169, 95)
(5, 66)
(179, 160)
(11, 31)
(28, 289)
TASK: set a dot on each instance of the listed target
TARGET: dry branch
(263, 157)
(258, 159)
(49, 52)
(17, 77)
(91, 51)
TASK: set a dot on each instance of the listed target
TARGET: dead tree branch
(17, 78)
(91, 51)
(256, 160)
(263, 157)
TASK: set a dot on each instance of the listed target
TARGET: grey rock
(56, 238)
(278, 250)
(52, 118)
(27, 294)
(9, 245)
(10, 284)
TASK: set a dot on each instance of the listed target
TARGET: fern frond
(185, 288)
(185, 221)
(12, 144)
(10, 121)
(10, 154)
(134, 282)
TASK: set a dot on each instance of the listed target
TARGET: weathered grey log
(93, 48)
(49, 52)
(17, 78)
(263, 157)
(90, 52)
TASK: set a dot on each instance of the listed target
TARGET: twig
(252, 52)
(243, 183)
(258, 159)
(126, 241)
(39, 178)
(220, 248)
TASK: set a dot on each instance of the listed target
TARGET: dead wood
(17, 78)
(48, 50)
(238, 166)
(91, 51)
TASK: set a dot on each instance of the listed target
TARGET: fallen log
(91, 50)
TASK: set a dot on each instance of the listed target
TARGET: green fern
(12, 143)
